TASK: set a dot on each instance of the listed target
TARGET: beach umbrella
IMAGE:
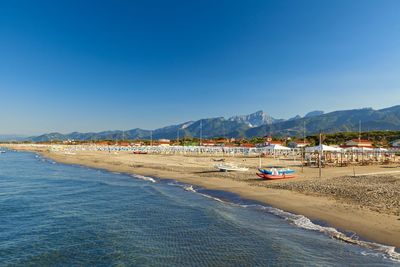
(323, 148)
(277, 147)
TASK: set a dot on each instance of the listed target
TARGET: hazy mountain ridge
(314, 113)
(245, 126)
(255, 119)
(345, 120)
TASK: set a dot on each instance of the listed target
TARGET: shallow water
(55, 214)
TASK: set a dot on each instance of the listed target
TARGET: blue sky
(98, 65)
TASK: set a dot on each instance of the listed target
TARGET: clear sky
(102, 65)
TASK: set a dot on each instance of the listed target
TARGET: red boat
(275, 177)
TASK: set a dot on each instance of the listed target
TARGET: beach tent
(323, 148)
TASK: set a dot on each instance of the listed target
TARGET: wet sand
(368, 205)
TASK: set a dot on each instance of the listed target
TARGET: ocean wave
(190, 188)
(214, 198)
(146, 178)
(305, 223)
(43, 159)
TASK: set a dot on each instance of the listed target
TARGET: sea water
(54, 214)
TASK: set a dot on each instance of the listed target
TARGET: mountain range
(252, 125)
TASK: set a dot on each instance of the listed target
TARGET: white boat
(2, 151)
(227, 167)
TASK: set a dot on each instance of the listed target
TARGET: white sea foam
(146, 178)
(39, 157)
(189, 188)
(305, 223)
(214, 198)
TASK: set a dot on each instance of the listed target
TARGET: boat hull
(230, 168)
(281, 172)
(275, 177)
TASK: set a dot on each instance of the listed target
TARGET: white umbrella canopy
(366, 149)
(323, 148)
(352, 149)
(277, 147)
(358, 149)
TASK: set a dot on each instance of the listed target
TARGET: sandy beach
(367, 204)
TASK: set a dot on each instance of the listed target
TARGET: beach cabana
(328, 154)
(353, 154)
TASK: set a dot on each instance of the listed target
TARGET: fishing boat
(275, 177)
(274, 171)
(227, 167)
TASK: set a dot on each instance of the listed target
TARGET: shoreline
(371, 226)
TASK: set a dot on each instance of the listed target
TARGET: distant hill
(252, 125)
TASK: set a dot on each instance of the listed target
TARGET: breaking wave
(305, 223)
(145, 178)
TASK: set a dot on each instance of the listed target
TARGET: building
(299, 144)
(208, 143)
(247, 145)
(274, 142)
(103, 143)
(268, 141)
(396, 143)
(69, 142)
(123, 143)
(221, 141)
(163, 142)
(137, 143)
(267, 138)
(358, 143)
